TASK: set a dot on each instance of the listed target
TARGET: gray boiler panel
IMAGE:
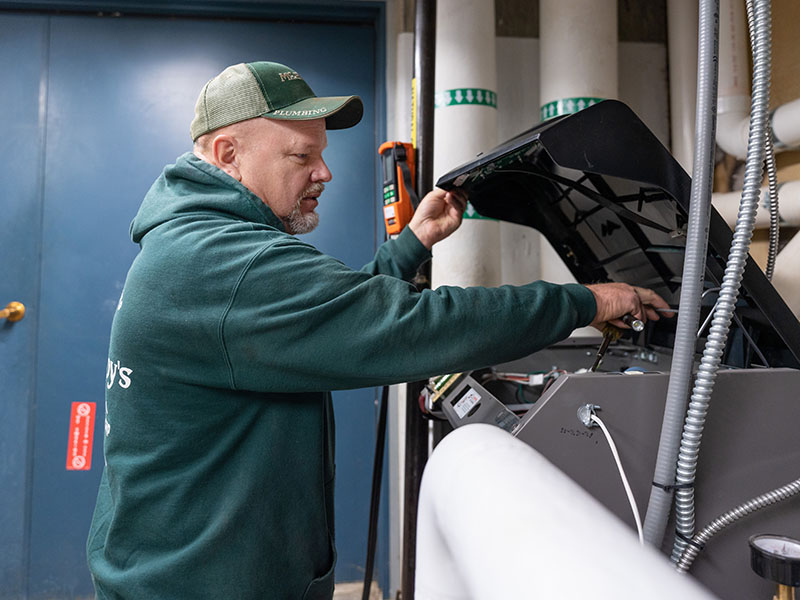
(751, 445)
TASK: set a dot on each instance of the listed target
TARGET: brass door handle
(13, 312)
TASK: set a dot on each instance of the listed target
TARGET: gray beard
(297, 222)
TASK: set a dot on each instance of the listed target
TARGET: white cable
(595, 419)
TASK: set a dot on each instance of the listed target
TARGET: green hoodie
(228, 338)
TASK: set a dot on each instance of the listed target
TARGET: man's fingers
(652, 315)
(648, 296)
(652, 302)
(458, 199)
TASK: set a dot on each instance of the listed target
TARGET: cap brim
(339, 112)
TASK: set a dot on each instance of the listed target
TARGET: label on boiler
(466, 402)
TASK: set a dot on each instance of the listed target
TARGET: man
(231, 333)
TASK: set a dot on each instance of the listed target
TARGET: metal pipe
(416, 454)
(758, 503)
(693, 274)
(785, 592)
(774, 207)
(731, 282)
(772, 170)
(425, 82)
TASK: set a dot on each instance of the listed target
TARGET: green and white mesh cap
(271, 90)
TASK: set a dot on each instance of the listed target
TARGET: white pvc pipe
(578, 59)
(733, 104)
(497, 520)
(404, 71)
(786, 124)
(733, 108)
(682, 46)
(520, 248)
(518, 110)
(785, 278)
(727, 204)
(464, 127)
(578, 49)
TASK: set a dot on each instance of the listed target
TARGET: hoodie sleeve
(399, 257)
(302, 321)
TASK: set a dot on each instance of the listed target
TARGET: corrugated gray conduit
(774, 215)
(772, 170)
(731, 281)
(693, 274)
(698, 541)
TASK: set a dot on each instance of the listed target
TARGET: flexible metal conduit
(693, 272)
(772, 170)
(774, 212)
(730, 517)
(720, 325)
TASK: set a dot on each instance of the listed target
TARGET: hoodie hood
(193, 186)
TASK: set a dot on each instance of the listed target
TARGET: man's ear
(224, 152)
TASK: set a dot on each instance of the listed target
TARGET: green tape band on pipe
(566, 106)
(464, 96)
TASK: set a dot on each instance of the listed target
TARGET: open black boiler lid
(613, 203)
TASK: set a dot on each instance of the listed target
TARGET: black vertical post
(416, 426)
(425, 75)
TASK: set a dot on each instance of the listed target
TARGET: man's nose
(322, 172)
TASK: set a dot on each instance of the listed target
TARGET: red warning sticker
(81, 436)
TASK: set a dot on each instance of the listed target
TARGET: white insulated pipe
(498, 520)
(727, 205)
(786, 125)
(785, 278)
(682, 22)
(578, 66)
(733, 108)
(578, 50)
(733, 103)
(465, 124)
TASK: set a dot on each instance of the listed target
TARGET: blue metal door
(97, 107)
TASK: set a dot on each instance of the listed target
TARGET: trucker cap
(271, 90)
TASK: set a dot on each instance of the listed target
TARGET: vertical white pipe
(733, 104)
(578, 50)
(399, 129)
(465, 125)
(733, 109)
(578, 65)
(518, 110)
(682, 47)
(785, 278)
(521, 249)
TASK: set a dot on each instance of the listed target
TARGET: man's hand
(614, 300)
(438, 215)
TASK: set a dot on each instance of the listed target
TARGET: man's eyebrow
(306, 148)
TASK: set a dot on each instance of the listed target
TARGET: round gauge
(777, 558)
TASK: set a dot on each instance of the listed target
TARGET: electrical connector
(536, 379)
(585, 414)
